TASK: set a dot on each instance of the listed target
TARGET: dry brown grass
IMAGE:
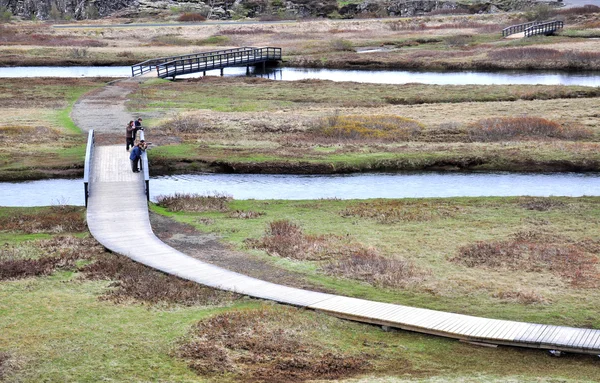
(534, 253)
(265, 345)
(524, 128)
(388, 212)
(367, 266)
(522, 297)
(250, 214)
(191, 16)
(44, 257)
(374, 127)
(541, 204)
(57, 219)
(339, 256)
(21, 36)
(194, 202)
(136, 282)
(4, 364)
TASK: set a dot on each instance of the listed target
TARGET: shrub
(194, 202)
(266, 345)
(56, 219)
(458, 40)
(341, 45)
(214, 40)
(187, 124)
(524, 253)
(169, 40)
(4, 364)
(522, 128)
(366, 266)
(134, 281)
(392, 211)
(77, 53)
(583, 10)
(522, 297)
(43, 257)
(191, 16)
(356, 127)
(5, 16)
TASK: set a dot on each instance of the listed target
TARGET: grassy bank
(432, 42)
(458, 254)
(262, 126)
(37, 137)
(94, 316)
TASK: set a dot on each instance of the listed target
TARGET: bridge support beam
(221, 72)
(247, 70)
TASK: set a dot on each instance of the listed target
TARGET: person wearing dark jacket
(129, 136)
(136, 154)
(137, 126)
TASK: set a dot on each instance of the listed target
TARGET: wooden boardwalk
(204, 61)
(117, 217)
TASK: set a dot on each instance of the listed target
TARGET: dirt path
(104, 109)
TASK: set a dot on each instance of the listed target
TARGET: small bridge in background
(204, 61)
(533, 28)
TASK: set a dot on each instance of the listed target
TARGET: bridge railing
(544, 28)
(145, 168)
(218, 60)
(148, 65)
(89, 152)
(518, 28)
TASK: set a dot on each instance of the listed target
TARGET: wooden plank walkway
(117, 217)
(205, 61)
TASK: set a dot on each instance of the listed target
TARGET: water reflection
(295, 187)
(364, 76)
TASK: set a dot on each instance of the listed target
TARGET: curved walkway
(117, 217)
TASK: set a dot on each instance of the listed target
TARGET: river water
(364, 76)
(296, 187)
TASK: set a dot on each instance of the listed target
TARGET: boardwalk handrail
(544, 28)
(218, 61)
(89, 152)
(118, 212)
(148, 65)
(518, 28)
(145, 168)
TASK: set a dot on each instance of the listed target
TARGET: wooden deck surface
(117, 217)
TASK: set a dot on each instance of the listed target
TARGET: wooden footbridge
(533, 28)
(204, 61)
(117, 216)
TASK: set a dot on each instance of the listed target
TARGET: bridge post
(221, 72)
(247, 70)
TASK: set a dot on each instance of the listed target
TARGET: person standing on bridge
(136, 154)
(138, 126)
(129, 137)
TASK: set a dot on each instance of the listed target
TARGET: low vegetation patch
(522, 297)
(339, 255)
(44, 257)
(523, 128)
(532, 253)
(4, 364)
(134, 281)
(383, 127)
(187, 124)
(267, 345)
(532, 54)
(250, 214)
(55, 219)
(393, 211)
(191, 16)
(541, 204)
(194, 202)
(367, 266)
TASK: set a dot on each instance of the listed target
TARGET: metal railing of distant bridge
(545, 28)
(89, 152)
(148, 65)
(518, 28)
(218, 61)
(533, 28)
